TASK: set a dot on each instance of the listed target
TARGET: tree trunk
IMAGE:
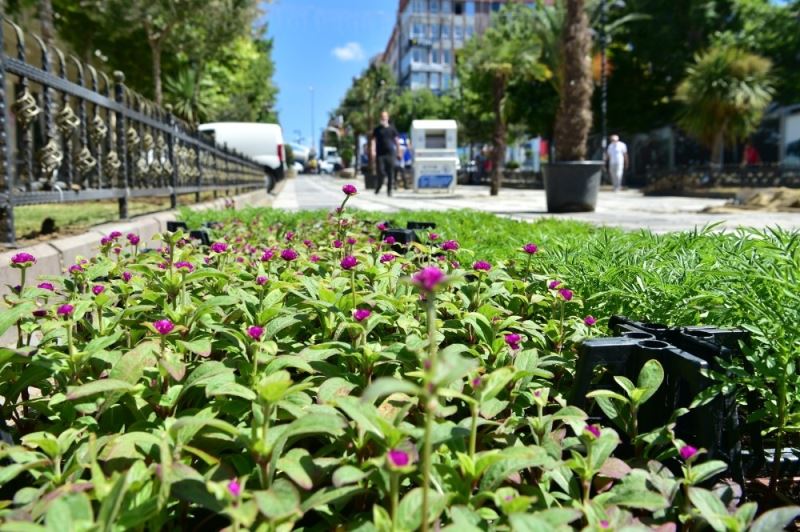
(155, 49)
(499, 135)
(717, 150)
(574, 116)
(46, 20)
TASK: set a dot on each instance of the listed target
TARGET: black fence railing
(511, 178)
(69, 133)
(689, 178)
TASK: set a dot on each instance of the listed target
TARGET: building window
(445, 31)
(434, 6)
(470, 8)
(447, 55)
(418, 30)
(419, 80)
(496, 6)
(419, 6)
(458, 32)
(436, 81)
(447, 7)
(434, 31)
(435, 57)
(418, 55)
(470, 31)
(446, 81)
(459, 7)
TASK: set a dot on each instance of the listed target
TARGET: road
(628, 209)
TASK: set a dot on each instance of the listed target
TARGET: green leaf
(130, 367)
(201, 347)
(514, 459)
(710, 507)
(230, 389)
(98, 386)
(112, 503)
(494, 383)
(312, 424)
(277, 325)
(706, 470)
(409, 511)
(273, 387)
(387, 386)
(279, 502)
(633, 492)
(299, 466)
(650, 378)
(776, 519)
(326, 496)
(347, 474)
(9, 317)
(529, 523)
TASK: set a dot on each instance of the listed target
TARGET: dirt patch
(761, 199)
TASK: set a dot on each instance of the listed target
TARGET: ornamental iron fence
(70, 133)
(692, 178)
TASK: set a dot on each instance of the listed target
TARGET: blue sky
(322, 43)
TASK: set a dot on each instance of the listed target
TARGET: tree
(506, 54)
(724, 94)
(420, 104)
(574, 116)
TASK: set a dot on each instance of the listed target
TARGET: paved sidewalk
(628, 209)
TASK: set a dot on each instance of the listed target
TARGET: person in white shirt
(617, 156)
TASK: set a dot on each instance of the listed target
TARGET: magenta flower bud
(40, 313)
(65, 310)
(46, 286)
(267, 255)
(98, 289)
(390, 240)
(308, 243)
(234, 488)
(114, 235)
(255, 332)
(361, 314)
(350, 190)
(337, 244)
(566, 293)
(382, 226)
(106, 241)
(594, 430)
(289, 236)
(288, 254)
(553, 285)
(589, 320)
(428, 278)
(219, 247)
(476, 382)
(530, 249)
(184, 266)
(482, 266)
(261, 280)
(126, 276)
(687, 452)
(387, 257)
(450, 245)
(164, 327)
(117, 251)
(314, 258)
(433, 237)
(604, 523)
(133, 239)
(23, 260)
(351, 241)
(349, 262)
(398, 458)
(513, 340)
(240, 259)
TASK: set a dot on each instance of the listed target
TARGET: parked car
(300, 153)
(261, 142)
(326, 167)
(298, 167)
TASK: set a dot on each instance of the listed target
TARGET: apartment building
(426, 35)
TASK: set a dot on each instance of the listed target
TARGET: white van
(261, 142)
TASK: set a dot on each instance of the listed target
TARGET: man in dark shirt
(385, 148)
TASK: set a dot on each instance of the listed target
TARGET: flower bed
(300, 372)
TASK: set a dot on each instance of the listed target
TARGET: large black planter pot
(571, 186)
(370, 181)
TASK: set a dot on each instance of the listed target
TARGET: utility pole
(603, 76)
(311, 89)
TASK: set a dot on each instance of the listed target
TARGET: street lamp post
(311, 89)
(603, 77)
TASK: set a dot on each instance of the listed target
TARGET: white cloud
(351, 51)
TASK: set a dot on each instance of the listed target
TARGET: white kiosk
(435, 158)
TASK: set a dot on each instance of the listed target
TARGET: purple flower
(513, 340)
(268, 255)
(184, 265)
(314, 258)
(553, 285)
(387, 257)
(450, 245)
(604, 523)
(589, 320)
(261, 280)
(126, 276)
(219, 247)
(115, 235)
(530, 249)
(351, 240)
(594, 430)
(687, 452)
(390, 240)
(117, 250)
(46, 286)
(361, 314)
(234, 488)
(482, 266)
(429, 278)
(308, 243)
(40, 313)
(566, 293)
(476, 382)
(106, 241)
(288, 254)
(337, 244)
(350, 190)
(65, 310)
(289, 236)
(398, 458)
(255, 332)
(433, 237)
(349, 262)
(133, 239)
(382, 226)
(98, 289)
(164, 327)
(23, 260)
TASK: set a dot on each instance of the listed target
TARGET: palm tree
(724, 94)
(574, 116)
(507, 52)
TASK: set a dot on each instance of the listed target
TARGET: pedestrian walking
(617, 157)
(385, 148)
